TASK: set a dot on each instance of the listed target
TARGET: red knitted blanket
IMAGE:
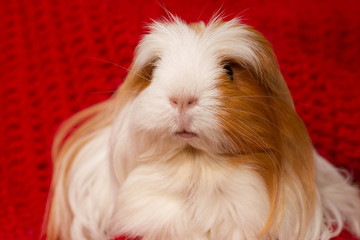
(55, 60)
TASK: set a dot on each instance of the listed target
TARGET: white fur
(339, 200)
(89, 194)
(135, 178)
(191, 197)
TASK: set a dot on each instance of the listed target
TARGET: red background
(52, 64)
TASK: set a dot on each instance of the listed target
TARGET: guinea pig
(201, 141)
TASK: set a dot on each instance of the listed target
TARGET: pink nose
(183, 103)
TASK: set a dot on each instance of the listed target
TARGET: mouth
(186, 135)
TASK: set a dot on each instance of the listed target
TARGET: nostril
(192, 102)
(173, 102)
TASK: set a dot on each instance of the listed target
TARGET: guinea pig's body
(200, 142)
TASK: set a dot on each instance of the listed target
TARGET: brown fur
(258, 117)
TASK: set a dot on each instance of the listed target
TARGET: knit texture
(58, 57)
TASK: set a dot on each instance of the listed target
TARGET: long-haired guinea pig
(201, 141)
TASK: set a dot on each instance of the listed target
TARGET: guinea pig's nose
(183, 103)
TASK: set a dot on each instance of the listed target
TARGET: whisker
(284, 133)
(243, 127)
(255, 96)
(109, 62)
(267, 105)
(255, 135)
(120, 66)
(100, 92)
(255, 115)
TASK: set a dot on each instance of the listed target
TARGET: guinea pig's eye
(229, 71)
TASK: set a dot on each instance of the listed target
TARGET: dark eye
(229, 71)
